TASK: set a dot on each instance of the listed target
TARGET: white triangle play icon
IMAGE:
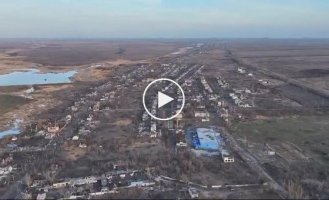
(163, 99)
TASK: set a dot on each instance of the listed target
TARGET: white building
(29, 91)
(226, 156)
(141, 184)
(61, 184)
(193, 193)
(241, 70)
(203, 114)
(75, 137)
(53, 129)
(41, 196)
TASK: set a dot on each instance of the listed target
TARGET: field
(75, 52)
(310, 133)
(9, 102)
(298, 71)
(306, 61)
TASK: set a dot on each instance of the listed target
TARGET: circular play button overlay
(163, 99)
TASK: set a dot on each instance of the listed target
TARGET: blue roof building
(207, 139)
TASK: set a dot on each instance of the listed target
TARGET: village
(105, 133)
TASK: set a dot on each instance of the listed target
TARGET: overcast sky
(164, 18)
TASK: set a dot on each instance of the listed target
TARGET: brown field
(76, 52)
(303, 60)
(9, 102)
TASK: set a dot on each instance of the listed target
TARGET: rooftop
(207, 139)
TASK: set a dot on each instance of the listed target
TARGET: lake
(34, 77)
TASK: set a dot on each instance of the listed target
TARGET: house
(29, 91)
(96, 107)
(74, 108)
(37, 183)
(220, 103)
(53, 129)
(241, 70)
(179, 116)
(188, 82)
(6, 170)
(153, 127)
(83, 181)
(180, 138)
(68, 118)
(141, 184)
(120, 167)
(76, 137)
(148, 80)
(223, 113)
(207, 119)
(7, 160)
(41, 196)
(228, 159)
(82, 145)
(61, 184)
(193, 193)
(226, 156)
(203, 114)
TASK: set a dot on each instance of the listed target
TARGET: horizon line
(157, 38)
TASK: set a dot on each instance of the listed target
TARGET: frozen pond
(12, 131)
(33, 76)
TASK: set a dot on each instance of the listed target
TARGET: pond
(12, 131)
(33, 76)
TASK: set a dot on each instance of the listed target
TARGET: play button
(163, 99)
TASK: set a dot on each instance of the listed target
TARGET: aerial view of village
(163, 118)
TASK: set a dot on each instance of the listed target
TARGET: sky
(164, 19)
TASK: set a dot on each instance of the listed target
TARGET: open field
(73, 53)
(9, 102)
(303, 60)
(309, 133)
(301, 147)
